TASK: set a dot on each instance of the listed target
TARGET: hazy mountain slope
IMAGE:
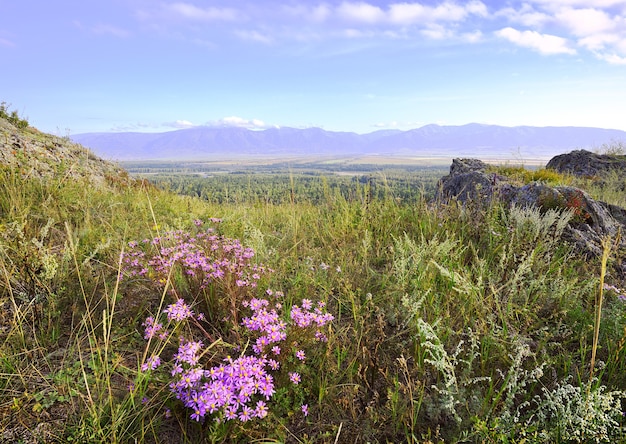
(476, 139)
(431, 140)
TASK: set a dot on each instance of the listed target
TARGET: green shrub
(12, 116)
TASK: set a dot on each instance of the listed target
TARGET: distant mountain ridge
(475, 140)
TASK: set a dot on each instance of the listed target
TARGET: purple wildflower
(294, 377)
(151, 363)
(151, 327)
(274, 365)
(230, 413)
(246, 414)
(187, 352)
(261, 410)
(178, 311)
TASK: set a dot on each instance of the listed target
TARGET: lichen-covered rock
(470, 181)
(587, 164)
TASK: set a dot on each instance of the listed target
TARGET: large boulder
(587, 164)
(469, 181)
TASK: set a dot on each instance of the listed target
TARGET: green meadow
(449, 323)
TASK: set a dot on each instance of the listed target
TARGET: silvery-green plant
(569, 413)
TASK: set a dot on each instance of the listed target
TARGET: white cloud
(181, 11)
(189, 11)
(352, 33)
(406, 13)
(110, 30)
(132, 127)
(477, 8)
(411, 13)
(598, 41)
(361, 12)
(545, 26)
(455, 13)
(526, 16)
(102, 29)
(613, 59)
(403, 13)
(180, 124)
(320, 13)
(152, 127)
(472, 37)
(585, 22)
(393, 124)
(555, 4)
(437, 32)
(238, 122)
(317, 13)
(543, 43)
(254, 36)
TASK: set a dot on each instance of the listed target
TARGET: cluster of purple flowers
(267, 322)
(151, 363)
(307, 316)
(204, 257)
(273, 329)
(235, 389)
(178, 311)
(152, 328)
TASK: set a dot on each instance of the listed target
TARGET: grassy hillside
(396, 321)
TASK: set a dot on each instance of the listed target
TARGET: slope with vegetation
(395, 321)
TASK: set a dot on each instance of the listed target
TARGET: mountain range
(471, 140)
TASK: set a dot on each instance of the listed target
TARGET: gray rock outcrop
(587, 164)
(470, 181)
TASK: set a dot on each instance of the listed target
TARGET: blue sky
(74, 66)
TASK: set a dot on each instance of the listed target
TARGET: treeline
(245, 187)
(312, 168)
